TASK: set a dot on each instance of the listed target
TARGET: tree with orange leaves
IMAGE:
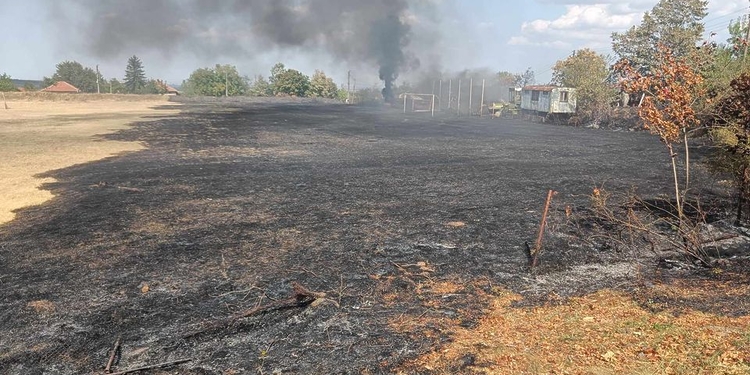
(671, 90)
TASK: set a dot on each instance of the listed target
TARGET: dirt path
(39, 136)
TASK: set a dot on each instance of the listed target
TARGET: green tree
(343, 94)
(292, 82)
(672, 88)
(322, 86)
(217, 81)
(135, 75)
(737, 41)
(154, 87)
(589, 73)
(508, 79)
(260, 87)
(114, 86)
(675, 24)
(527, 78)
(276, 71)
(73, 72)
(6, 83)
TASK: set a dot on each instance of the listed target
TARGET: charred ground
(232, 202)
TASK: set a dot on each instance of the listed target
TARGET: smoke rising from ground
(373, 32)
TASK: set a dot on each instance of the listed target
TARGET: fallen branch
(720, 238)
(153, 367)
(112, 356)
(301, 297)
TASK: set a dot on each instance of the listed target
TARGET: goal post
(419, 103)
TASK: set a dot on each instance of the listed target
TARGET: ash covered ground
(233, 201)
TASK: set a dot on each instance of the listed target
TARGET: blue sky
(498, 35)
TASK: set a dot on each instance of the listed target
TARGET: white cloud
(590, 23)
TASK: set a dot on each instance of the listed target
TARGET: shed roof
(61, 86)
(541, 88)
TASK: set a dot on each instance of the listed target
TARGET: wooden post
(458, 102)
(481, 105)
(4, 101)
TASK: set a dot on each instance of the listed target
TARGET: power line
(718, 26)
(727, 15)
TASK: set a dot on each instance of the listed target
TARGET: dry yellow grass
(608, 332)
(42, 306)
(39, 136)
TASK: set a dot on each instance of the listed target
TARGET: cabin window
(563, 96)
(535, 96)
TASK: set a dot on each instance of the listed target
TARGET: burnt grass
(232, 202)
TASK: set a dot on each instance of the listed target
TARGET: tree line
(224, 80)
(220, 80)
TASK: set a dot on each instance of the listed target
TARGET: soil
(231, 202)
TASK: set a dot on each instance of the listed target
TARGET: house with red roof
(62, 87)
(168, 90)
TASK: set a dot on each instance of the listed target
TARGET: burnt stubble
(233, 201)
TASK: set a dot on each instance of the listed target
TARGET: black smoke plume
(356, 31)
(389, 37)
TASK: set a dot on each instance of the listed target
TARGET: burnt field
(230, 204)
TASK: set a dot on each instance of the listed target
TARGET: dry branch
(153, 367)
(112, 356)
(301, 297)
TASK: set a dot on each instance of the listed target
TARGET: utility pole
(348, 87)
(747, 39)
(97, 79)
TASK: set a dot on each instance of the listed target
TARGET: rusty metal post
(542, 225)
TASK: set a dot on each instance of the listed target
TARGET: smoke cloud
(373, 32)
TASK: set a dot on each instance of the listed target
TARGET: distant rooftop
(62, 86)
